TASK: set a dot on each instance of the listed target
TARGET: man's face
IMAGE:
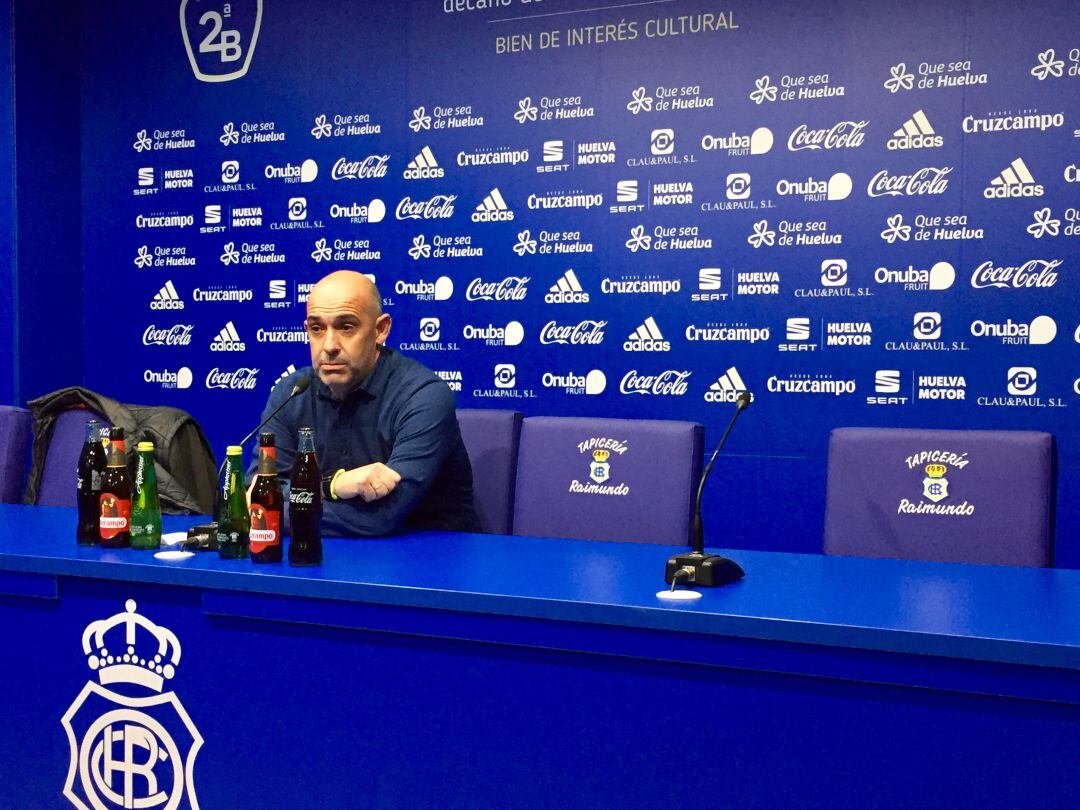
(344, 335)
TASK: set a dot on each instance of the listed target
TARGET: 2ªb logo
(220, 36)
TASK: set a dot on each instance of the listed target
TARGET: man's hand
(370, 482)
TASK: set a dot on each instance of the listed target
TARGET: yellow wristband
(333, 481)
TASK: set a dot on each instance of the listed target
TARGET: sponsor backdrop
(867, 218)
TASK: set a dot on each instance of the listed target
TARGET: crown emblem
(600, 456)
(121, 655)
(936, 470)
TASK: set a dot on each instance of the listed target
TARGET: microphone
(204, 536)
(301, 386)
(697, 567)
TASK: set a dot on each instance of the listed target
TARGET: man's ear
(382, 328)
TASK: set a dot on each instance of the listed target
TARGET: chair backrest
(976, 496)
(14, 441)
(58, 478)
(607, 479)
(491, 440)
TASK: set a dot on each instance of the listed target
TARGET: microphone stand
(697, 567)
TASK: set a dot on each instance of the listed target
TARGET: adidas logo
(227, 340)
(290, 370)
(493, 209)
(916, 133)
(646, 338)
(567, 290)
(727, 387)
(424, 166)
(1014, 181)
(167, 298)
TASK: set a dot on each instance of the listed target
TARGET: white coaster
(173, 556)
(678, 596)
(172, 538)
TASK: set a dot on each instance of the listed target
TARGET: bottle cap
(144, 446)
(266, 439)
(116, 433)
(234, 450)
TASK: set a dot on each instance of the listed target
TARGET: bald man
(386, 431)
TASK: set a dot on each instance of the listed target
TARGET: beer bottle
(114, 502)
(305, 504)
(267, 508)
(91, 470)
(116, 436)
(145, 509)
(233, 522)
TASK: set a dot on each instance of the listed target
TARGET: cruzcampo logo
(220, 36)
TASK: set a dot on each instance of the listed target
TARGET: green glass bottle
(234, 524)
(145, 507)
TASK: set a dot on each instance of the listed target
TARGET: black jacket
(185, 464)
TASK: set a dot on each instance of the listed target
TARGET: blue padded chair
(491, 440)
(976, 496)
(14, 441)
(607, 479)
(58, 478)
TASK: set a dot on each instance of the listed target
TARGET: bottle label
(301, 497)
(115, 515)
(265, 528)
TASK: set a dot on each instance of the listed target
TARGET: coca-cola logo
(926, 181)
(1032, 273)
(842, 135)
(243, 379)
(441, 206)
(372, 167)
(301, 497)
(513, 288)
(178, 335)
(585, 333)
(670, 383)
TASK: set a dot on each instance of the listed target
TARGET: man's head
(346, 327)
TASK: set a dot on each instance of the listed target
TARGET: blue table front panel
(419, 707)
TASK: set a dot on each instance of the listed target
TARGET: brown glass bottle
(114, 502)
(267, 508)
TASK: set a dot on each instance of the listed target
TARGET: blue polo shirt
(402, 415)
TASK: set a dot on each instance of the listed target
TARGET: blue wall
(49, 333)
(386, 60)
(7, 213)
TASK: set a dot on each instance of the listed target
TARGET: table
(468, 670)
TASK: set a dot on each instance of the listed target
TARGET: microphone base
(707, 570)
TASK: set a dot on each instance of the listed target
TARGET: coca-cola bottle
(91, 471)
(305, 504)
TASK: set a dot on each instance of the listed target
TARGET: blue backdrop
(7, 200)
(864, 214)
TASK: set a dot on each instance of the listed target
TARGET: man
(386, 431)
